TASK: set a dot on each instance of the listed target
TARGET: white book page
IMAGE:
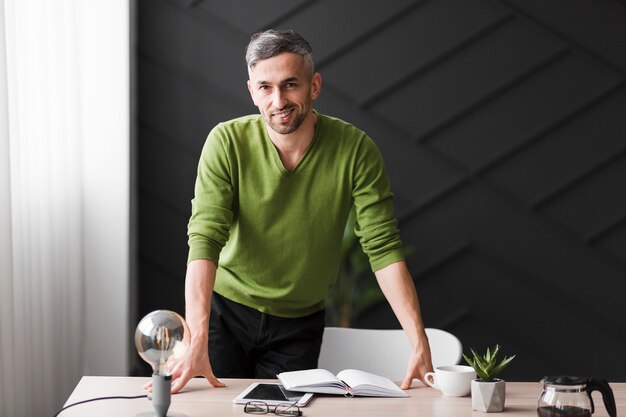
(309, 377)
(355, 378)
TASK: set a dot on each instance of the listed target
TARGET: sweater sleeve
(211, 207)
(376, 225)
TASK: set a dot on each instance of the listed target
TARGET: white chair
(382, 352)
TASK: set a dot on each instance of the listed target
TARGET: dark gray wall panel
(596, 27)
(466, 77)
(595, 202)
(563, 155)
(501, 125)
(171, 117)
(413, 41)
(335, 28)
(195, 45)
(246, 19)
(612, 239)
(157, 178)
(532, 105)
(166, 225)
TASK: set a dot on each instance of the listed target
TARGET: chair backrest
(382, 352)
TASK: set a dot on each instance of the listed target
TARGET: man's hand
(419, 364)
(195, 363)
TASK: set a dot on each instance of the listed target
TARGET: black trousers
(245, 343)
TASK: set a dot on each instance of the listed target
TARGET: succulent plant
(487, 366)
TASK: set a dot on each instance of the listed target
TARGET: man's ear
(251, 93)
(316, 85)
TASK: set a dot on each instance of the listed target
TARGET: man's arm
(199, 283)
(396, 283)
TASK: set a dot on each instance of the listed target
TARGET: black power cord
(98, 399)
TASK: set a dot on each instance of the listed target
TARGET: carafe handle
(607, 395)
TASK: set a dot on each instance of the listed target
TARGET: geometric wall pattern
(502, 125)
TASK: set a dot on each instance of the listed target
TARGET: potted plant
(488, 392)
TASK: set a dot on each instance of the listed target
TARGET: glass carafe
(567, 396)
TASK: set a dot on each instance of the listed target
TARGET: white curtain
(57, 231)
(7, 390)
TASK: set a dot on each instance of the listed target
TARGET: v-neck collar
(276, 156)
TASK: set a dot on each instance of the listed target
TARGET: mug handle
(428, 376)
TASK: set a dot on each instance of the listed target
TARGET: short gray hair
(269, 43)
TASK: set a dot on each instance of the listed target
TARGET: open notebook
(349, 382)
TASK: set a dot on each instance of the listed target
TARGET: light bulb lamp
(161, 339)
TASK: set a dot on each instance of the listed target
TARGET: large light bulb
(162, 339)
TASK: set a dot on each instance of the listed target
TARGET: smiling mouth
(284, 115)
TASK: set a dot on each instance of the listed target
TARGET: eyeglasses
(259, 407)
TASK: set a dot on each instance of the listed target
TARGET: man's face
(283, 90)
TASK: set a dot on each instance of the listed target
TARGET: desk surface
(199, 399)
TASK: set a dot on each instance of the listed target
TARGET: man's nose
(278, 99)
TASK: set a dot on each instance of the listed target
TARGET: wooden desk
(199, 399)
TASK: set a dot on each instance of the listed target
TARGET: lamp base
(161, 397)
(154, 414)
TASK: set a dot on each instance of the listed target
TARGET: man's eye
(290, 85)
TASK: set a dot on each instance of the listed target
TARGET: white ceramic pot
(488, 397)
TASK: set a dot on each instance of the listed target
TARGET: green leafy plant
(487, 366)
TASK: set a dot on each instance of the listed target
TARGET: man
(272, 196)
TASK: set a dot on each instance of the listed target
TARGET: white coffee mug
(452, 380)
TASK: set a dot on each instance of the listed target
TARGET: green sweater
(276, 235)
